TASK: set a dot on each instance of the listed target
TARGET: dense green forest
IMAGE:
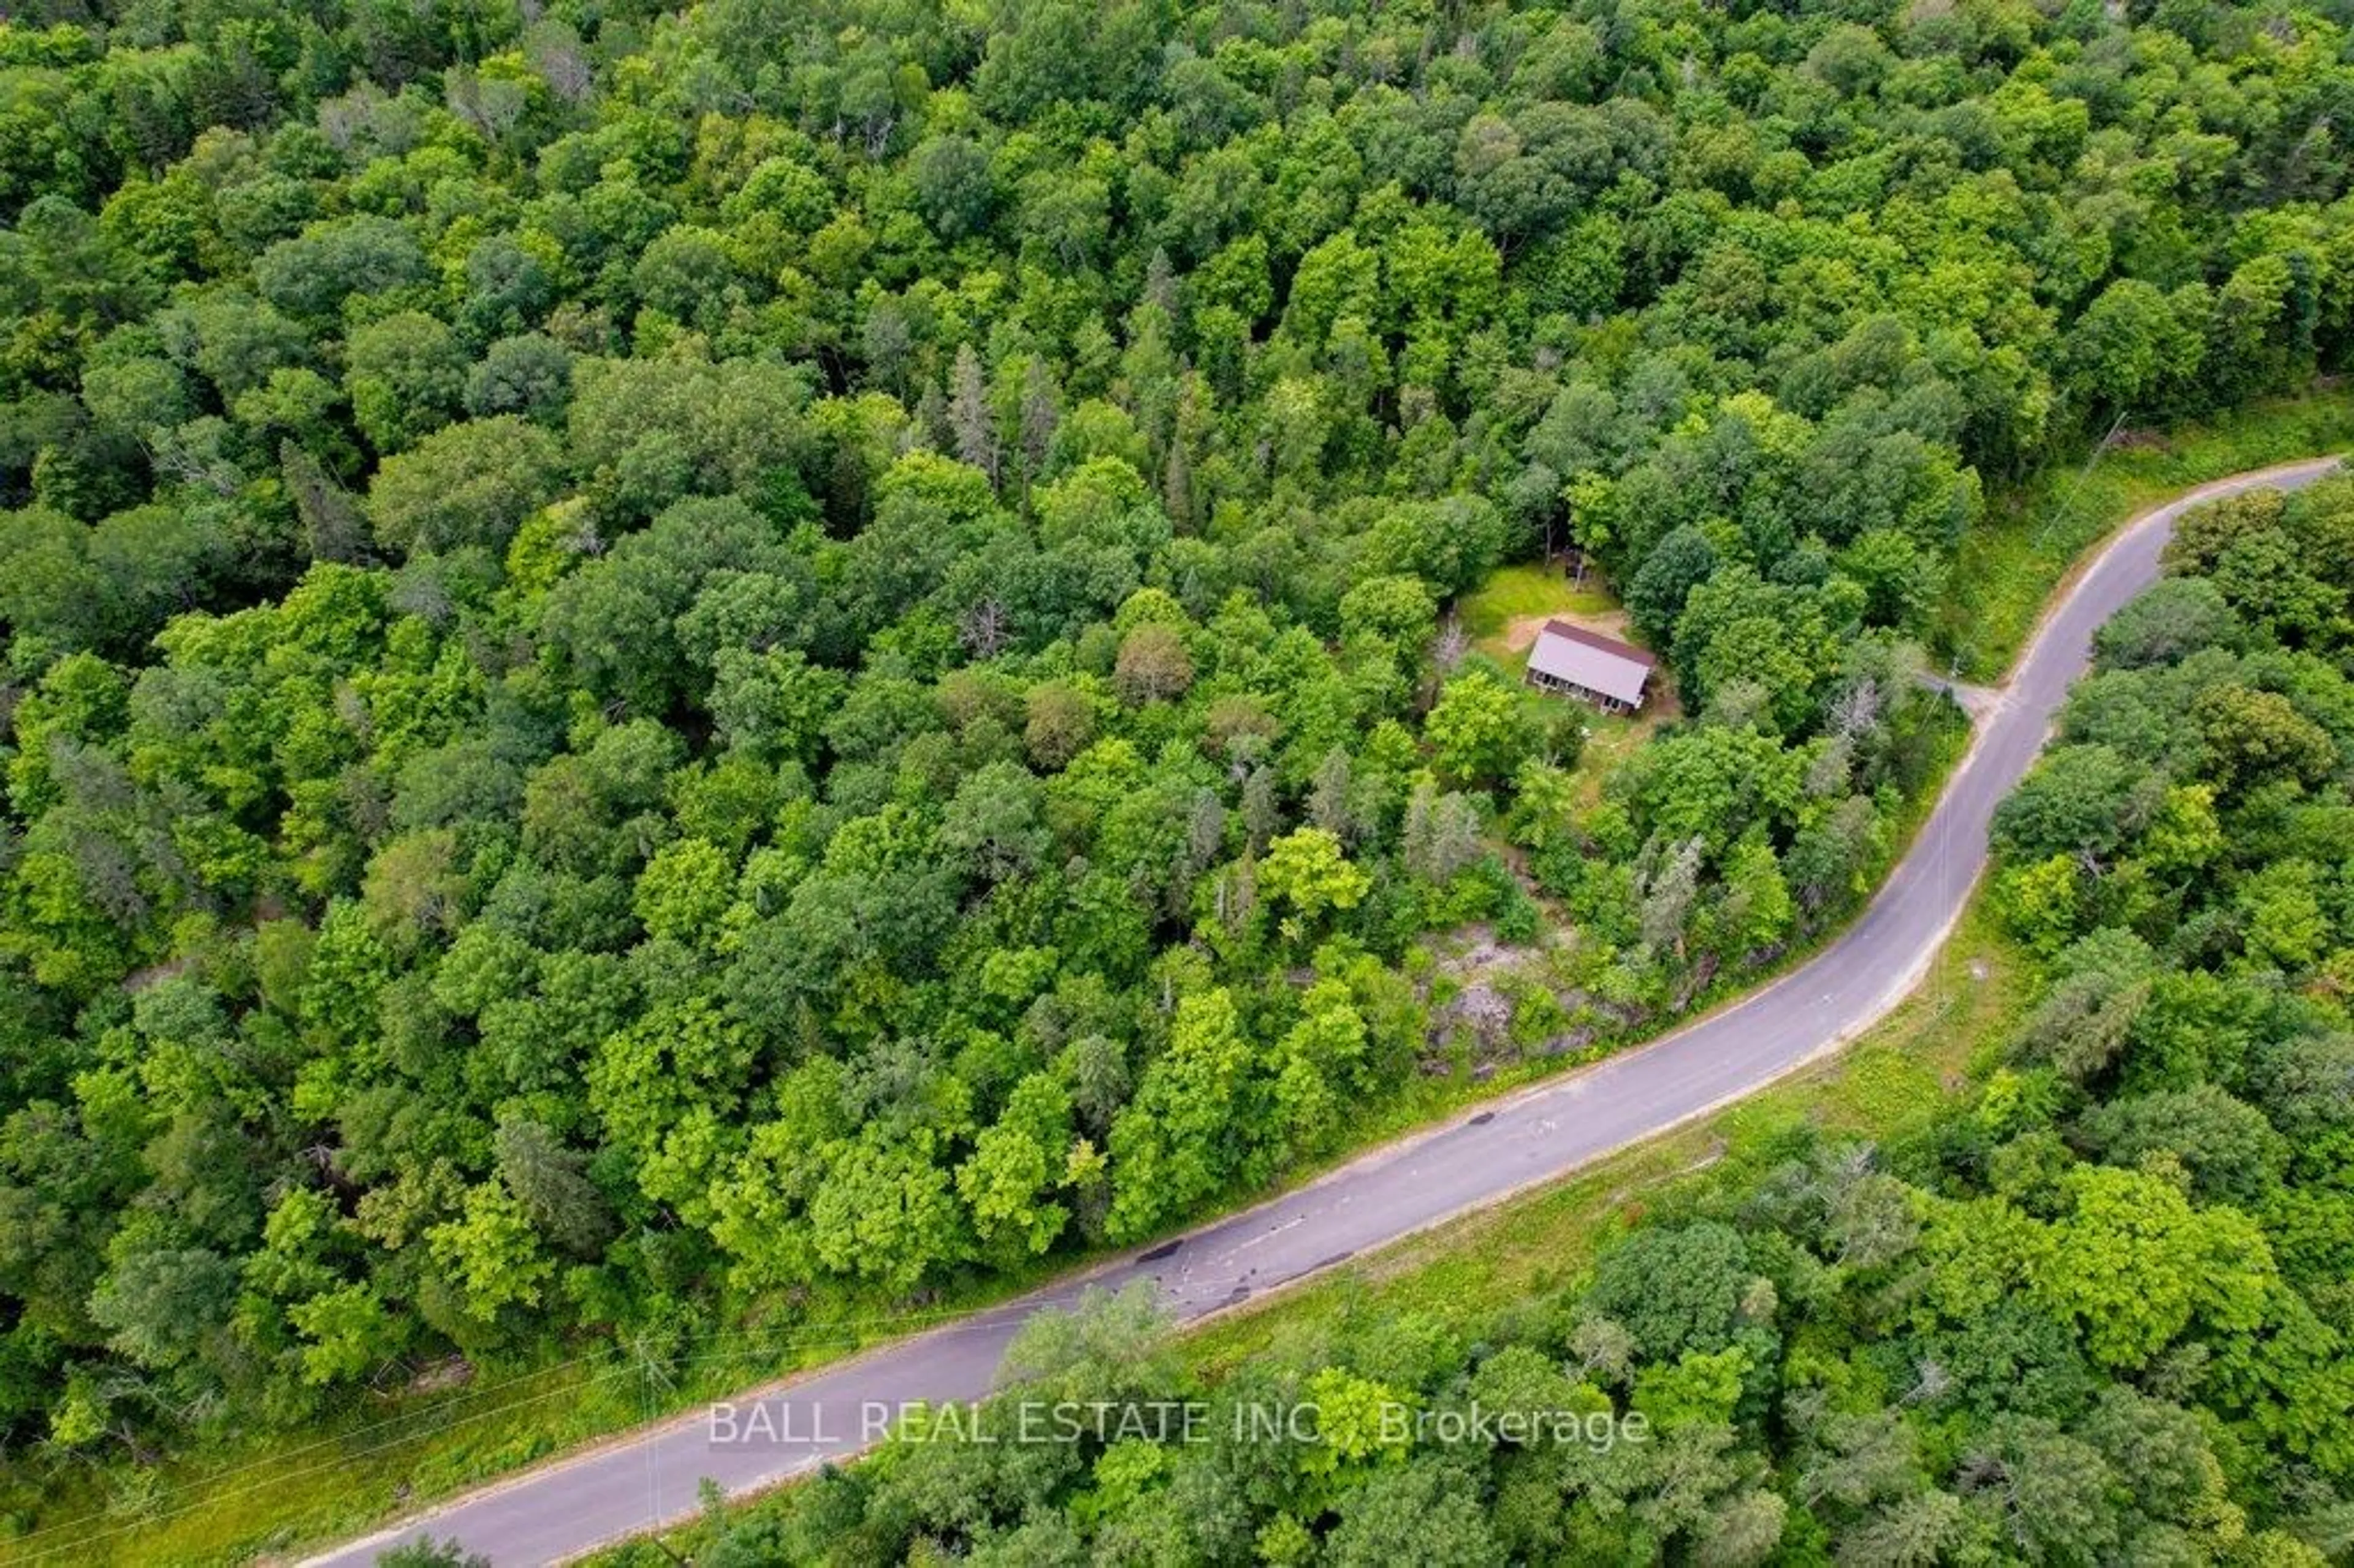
(2102, 1311)
(659, 663)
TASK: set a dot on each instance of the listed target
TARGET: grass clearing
(263, 1496)
(1503, 612)
(2034, 533)
(1529, 591)
(1612, 738)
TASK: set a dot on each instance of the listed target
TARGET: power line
(716, 1348)
(430, 1425)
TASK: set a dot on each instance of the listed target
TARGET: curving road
(648, 1479)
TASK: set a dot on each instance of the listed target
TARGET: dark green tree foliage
(2096, 1309)
(779, 650)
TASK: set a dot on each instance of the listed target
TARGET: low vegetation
(680, 673)
(2034, 533)
(2098, 1307)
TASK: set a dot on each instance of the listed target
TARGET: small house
(1593, 668)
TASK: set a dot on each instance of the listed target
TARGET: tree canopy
(2094, 1306)
(665, 663)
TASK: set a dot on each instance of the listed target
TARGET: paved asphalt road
(562, 1509)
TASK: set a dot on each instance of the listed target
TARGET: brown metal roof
(1595, 639)
(1590, 660)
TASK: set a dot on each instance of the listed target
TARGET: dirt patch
(1522, 633)
(138, 981)
(1478, 952)
(451, 1371)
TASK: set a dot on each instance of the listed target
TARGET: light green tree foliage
(492, 1253)
(1307, 872)
(1016, 1162)
(656, 669)
(1481, 730)
(1170, 1149)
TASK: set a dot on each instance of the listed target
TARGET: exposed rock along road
(651, 1478)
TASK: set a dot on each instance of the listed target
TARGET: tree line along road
(654, 1478)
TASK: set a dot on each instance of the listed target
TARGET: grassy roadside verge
(271, 1498)
(2034, 533)
(267, 1495)
(1468, 1273)
(1900, 1073)
(275, 1495)
(267, 1499)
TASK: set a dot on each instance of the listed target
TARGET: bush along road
(655, 1478)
